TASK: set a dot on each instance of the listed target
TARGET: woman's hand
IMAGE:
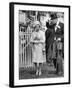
(37, 42)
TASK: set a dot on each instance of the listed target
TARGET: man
(54, 30)
(49, 34)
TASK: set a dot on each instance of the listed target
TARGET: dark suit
(49, 34)
(59, 64)
(60, 31)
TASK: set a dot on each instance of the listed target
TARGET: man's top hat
(53, 21)
(53, 16)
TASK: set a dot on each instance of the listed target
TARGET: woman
(38, 40)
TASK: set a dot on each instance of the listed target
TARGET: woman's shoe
(40, 73)
(37, 72)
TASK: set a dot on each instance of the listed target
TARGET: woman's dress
(38, 41)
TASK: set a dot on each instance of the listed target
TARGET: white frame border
(18, 82)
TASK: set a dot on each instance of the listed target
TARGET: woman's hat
(37, 23)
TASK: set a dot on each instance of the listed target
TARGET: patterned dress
(38, 40)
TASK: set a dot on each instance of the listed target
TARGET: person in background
(59, 40)
(59, 69)
(37, 40)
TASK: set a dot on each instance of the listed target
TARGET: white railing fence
(25, 49)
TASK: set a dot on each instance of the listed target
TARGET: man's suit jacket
(50, 34)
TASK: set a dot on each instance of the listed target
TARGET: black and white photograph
(41, 44)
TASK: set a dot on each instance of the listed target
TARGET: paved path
(47, 72)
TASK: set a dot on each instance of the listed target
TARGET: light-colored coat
(38, 40)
